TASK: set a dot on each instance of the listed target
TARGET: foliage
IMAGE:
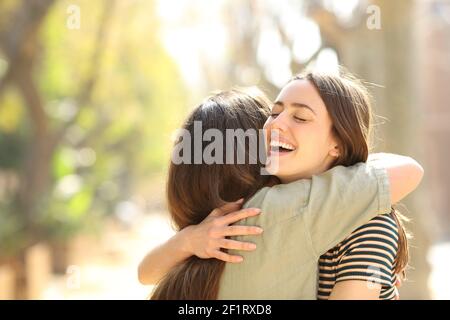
(116, 136)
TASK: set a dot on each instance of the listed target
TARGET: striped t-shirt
(368, 254)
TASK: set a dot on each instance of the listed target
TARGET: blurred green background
(91, 92)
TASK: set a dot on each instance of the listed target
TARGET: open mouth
(281, 147)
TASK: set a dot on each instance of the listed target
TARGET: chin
(284, 178)
(281, 174)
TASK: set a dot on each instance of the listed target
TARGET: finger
(241, 231)
(227, 208)
(239, 215)
(237, 245)
(227, 257)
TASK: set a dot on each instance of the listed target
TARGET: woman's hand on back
(205, 240)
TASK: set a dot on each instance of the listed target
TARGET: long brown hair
(194, 190)
(348, 103)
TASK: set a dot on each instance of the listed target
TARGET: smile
(280, 148)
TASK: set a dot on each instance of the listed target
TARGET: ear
(335, 152)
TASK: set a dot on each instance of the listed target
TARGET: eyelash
(274, 115)
(300, 119)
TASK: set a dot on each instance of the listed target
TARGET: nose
(279, 123)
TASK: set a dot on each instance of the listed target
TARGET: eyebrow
(296, 104)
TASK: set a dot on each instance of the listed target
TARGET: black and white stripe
(368, 254)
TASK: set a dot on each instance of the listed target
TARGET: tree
(96, 98)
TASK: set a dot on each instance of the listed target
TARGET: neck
(326, 165)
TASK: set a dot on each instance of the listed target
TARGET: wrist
(184, 240)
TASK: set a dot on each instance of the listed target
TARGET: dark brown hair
(194, 190)
(348, 103)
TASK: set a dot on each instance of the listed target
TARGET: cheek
(305, 135)
(312, 141)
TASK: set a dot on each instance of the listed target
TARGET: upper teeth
(284, 145)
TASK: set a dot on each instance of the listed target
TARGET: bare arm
(355, 290)
(404, 173)
(162, 258)
(204, 240)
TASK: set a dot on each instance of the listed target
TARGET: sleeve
(369, 253)
(342, 199)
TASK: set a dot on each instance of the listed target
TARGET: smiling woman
(300, 119)
(333, 115)
(322, 128)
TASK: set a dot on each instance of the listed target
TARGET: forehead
(301, 91)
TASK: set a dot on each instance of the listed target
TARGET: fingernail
(252, 246)
(259, 230)
(240, 200)
(240, 259)
(257, 210)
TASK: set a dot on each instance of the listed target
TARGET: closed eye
(274, 115)
(300, 119)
